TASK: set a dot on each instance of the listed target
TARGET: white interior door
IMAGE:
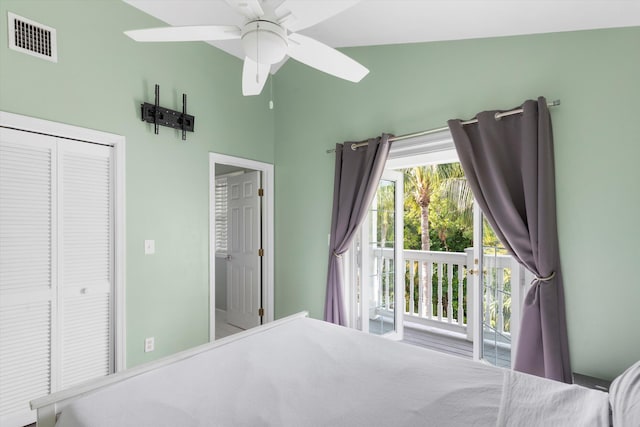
(244, 273)
(382, 287)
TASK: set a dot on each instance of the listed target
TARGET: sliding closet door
(56, 267)
(27, 270)
(86, 262)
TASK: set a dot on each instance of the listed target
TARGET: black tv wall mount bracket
(159, 116)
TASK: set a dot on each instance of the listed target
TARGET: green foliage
(411, 223)
(449, 230)
(450, 210)
(490, 241)
(385, 201)
(494, 297)
(457, 241)
(443, 191)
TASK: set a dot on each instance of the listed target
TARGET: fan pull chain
(271, 94)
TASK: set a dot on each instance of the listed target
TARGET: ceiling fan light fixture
(264, 42)
(268, 36)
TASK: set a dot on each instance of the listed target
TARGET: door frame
(118, 142)
(436, 148)
(267, 170)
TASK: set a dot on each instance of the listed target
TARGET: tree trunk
(426, 245)
(424, 225)
(383, 234)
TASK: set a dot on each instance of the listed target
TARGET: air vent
(31, 37)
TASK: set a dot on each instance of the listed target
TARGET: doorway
(240, 244)
(458, 289)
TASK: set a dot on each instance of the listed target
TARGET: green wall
(102, 77)
(100, 80)
(419, 86)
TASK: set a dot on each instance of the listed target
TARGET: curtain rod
(430, 131)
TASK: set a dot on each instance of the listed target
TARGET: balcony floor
(444, 342)
(454, 344)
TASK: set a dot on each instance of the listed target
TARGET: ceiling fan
(268, 35)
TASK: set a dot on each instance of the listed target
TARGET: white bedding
(311, 373)
(534, 401)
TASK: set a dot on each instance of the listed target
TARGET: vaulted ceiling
(381, 22)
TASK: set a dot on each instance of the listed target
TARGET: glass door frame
(362, 260)
(476, 307)
(519, 277)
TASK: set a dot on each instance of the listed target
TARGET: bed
(299, 371)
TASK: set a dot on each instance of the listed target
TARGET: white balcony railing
(438, 289)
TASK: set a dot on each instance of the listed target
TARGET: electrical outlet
(149, 344)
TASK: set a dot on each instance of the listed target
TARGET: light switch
(149, 247)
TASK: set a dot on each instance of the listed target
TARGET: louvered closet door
(86, 252)
(56, 268)
(27, 271)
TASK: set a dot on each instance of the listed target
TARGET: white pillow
(624, 398)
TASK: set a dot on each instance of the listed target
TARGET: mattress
(311, 373)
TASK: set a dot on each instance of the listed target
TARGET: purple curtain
(356, 180)
(509, 165)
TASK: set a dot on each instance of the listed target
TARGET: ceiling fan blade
(254, 76)
(296, 15)
(249, 8)
(185, 34)
(324, 58)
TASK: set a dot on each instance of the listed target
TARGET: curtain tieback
(337, 255)
(538, 279)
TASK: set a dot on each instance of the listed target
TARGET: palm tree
(447, 180)
(455, 190)
(422, 181)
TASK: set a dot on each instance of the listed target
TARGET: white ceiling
(380, 22)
